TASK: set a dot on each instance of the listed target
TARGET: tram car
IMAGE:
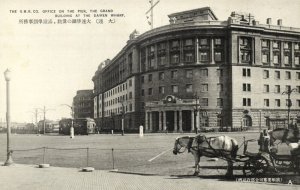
(82, 126)
(64, 126)
(49, 126)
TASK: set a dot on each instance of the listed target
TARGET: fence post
(87, 156)
(44, 154)
(113, 159)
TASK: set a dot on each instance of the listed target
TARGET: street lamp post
(7, 76)
(123, 114)
(289, 102)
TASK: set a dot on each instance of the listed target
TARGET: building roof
(194, 13)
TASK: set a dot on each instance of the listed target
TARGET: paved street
(29, 177)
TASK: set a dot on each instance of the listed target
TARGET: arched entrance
(247, 121)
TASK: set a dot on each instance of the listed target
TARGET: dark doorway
(186, 120)
(170, 120)
(155, 121)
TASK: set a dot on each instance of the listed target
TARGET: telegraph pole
(44, 110)
(151, 12)
(36, 112)
(44, 123)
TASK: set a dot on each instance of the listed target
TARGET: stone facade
(217, 73)
(83, 104)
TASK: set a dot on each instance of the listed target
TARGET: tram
(82, 126)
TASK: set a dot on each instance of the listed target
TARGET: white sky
(49, 63)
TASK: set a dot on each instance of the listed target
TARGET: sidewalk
(29, 177)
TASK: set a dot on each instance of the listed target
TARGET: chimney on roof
(279, 22)
(269, 21)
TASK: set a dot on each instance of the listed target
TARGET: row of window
(246, 72)
(276, 44)
(175, 89)
(174, 74)
(246, 51)
(277, 103)
(83, 104)
(118, 110)
(188, 52)
(277, 58)
(117, 100)
(278, 90)
(186, 42)
(188, 56)
(117, 89)
(277, 75)
(266, 89)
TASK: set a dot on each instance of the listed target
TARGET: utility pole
(151, 12)
(289, 102)
(36, 122)
(44, 110)
(36, 112)
(44, 123)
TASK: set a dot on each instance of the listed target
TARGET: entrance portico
(170, 115)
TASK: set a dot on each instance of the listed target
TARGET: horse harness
(286, 132)
(206, 150)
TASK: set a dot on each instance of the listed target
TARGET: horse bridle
(178, 150)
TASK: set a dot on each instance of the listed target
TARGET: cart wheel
(256, 166)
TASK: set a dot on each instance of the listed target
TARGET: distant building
(83, 104)
(237, 69)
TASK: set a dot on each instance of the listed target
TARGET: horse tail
(235, 148)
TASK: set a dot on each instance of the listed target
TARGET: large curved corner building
(201, 73)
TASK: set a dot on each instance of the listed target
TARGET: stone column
(150, 121)
(167, 63)
(146, 121)
(212, 51)
(192, 121)
(146, 60)
(181, 59)
(281, 60)
(224, 53)
(159, 121)
(164, 120)
(292, 63)
(180, 120)
(198, 121)
(175, 121)
(271, 53)
(155, 56)
(197, 51)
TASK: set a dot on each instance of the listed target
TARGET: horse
(221, 146)
(287, 136)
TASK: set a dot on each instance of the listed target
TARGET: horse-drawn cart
(264, 161)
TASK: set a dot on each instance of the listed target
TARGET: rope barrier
(83, 148)
(47, 156)
(28, 149)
